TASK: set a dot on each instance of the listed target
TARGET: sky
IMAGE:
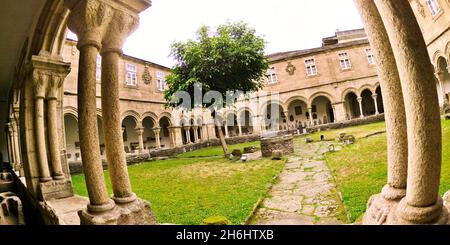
(286, 25)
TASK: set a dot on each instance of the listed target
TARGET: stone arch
(245, 108)
(133, 114)
(70, 110)
(447, 51)
(349, 90)
(298, 114)
(368, 104)
(319, 94)
(322, 110)
(264, 105)
(151, 115)
(366, 87)
(437, 56)
(71, 136)
(169, 117)
(288, 102)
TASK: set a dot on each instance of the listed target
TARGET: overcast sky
(286, 24)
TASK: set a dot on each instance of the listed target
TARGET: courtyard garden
(196, 185)
(199, 184)
(360, 170)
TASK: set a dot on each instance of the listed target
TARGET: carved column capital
(121, 26)
(139, 130)
(89, 19)
(48, 76)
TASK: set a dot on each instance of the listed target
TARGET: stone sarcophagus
(283, 143)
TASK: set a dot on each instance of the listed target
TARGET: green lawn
(360, 170)
(187, 190)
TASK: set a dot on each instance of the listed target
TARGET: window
(310, 65)
(370, 56)
(98, 68)
(434, 7)
(160, 81)
(344, 61)
(131, 75)
(314, 108)
(272, 76)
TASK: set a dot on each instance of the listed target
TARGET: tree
(229, 59)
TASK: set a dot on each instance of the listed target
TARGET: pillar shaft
(227, 135)
(40, 140)
(375, 102)
(360, 107)
(395, 117)
(88, 128)
(311, 120)
(140, 132)
(421, 204)
(114, 145)
(53, 139)
(157, 132)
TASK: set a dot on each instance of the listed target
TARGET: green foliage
(228, 59)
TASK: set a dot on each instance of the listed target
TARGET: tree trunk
(222, 141)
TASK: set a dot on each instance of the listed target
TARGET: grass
(360, 169)
(186, 190)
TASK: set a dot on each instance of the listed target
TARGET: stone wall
(283, 143)
(350, 123)
(77, 167)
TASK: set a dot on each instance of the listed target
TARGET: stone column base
(137, 212)
(378, 210)
(381, 211)
(447, 200)
(55, 189)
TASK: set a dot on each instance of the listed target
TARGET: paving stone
(305, 193)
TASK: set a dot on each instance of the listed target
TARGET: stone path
(305, 193)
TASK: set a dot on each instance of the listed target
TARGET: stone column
(240, 129)
(422, 204)
(381, 205)
(157, 132)
(187, 133)
(360, 107)
(120, 27)
(11, 154)
(178, 138)
(52, 119)
(140, 133)
(226, 130)
(255, 123)
(41, 79)
(311, 120)
(375, 97)
(89, 42)
(440, 75)
(171, 137)
(195, 128)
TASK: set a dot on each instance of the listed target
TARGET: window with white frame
(434, 7)
(98, 68)
(272, 76)
(370, 56)
(160, 81)
(131, 75)
(311, 69)
(344, 60)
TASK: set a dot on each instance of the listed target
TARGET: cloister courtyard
(193, 186)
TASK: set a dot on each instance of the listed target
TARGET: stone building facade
(434, 20)
(322, 82)
(332, 83)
